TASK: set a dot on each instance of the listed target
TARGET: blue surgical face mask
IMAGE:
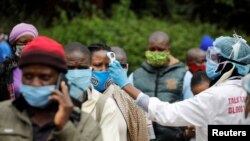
(37, 96)
(211, 70)
(79, 81)
(101, 80)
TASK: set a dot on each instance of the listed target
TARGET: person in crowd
(44, 110)
(227, 62)
(102, 108)
(19, 36)
(121, 56)
(165, 77)
(206, 41)
(132, 120)
(196, 60)
(199, 82)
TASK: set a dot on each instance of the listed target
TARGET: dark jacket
(166, 84)
(15, 125)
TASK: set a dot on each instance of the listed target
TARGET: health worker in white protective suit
(223, 103)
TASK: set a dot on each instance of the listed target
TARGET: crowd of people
(73, 92)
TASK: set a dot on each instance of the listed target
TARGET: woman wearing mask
(132, 120)
(20, 35)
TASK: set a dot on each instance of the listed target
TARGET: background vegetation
(128, 23)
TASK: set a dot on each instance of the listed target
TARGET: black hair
(198, 78)
(98, 46)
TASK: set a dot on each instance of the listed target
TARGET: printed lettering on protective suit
(236, 104)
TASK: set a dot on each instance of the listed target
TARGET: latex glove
(118, 74)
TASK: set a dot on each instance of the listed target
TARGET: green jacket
(15, 125)
(167, 85)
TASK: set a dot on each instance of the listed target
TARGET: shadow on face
(39, 75)
(23, 40)
(77, 60)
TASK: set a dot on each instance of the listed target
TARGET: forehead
(77, 58)
(158, 43)
(38, 69)
(24, 39)
(101, 54)
(76, 55)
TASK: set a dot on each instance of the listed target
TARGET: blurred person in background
(196, 60)
(206, 41)
(20, 35)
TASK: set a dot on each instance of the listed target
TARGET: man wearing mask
(44, 110)
(121, 56)
(196, 60)
(162, 76)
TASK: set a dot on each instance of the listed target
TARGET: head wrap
(20, 30)
(206, 42)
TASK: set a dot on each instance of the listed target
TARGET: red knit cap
(45, 51)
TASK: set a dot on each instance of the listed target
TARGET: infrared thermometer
(111, 56)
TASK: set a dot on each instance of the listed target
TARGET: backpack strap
(100, 106)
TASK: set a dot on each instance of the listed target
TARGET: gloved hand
(118, 74)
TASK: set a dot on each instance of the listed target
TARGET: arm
(189, 112)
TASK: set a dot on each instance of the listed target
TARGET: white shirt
(109, 122)
(220, 104)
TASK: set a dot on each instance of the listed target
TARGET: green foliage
(131, 34)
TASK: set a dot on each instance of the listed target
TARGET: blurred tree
(225, 13)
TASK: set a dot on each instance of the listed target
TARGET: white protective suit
(221, 104)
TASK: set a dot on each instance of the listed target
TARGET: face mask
(211, 70)
(36, 96)
(157, 59)
(19, 49)
(101, 80)
(193, 68)
(79, 81)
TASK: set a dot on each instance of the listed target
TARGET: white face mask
(19, 49)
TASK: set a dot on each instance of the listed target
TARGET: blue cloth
(206, 42)
(187, 93)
